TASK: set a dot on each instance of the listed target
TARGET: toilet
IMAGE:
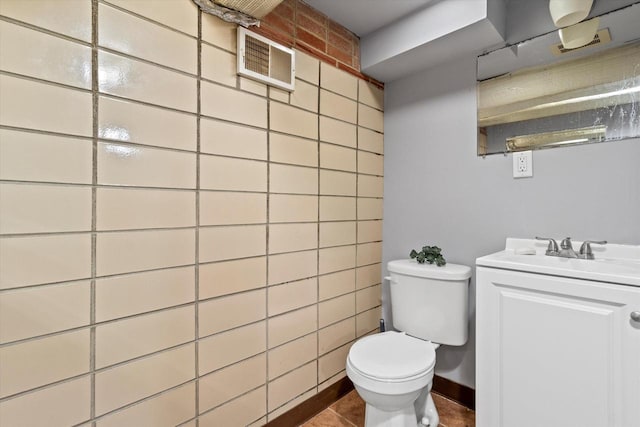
(393, 371)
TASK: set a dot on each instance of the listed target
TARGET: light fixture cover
(580, 34)
(569, 12)
(554, 138)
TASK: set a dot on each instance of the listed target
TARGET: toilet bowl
(393, 373)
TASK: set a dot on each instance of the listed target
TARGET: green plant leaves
(430, 254)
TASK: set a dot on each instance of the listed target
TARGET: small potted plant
(430, 254)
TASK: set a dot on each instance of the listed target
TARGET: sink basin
(613, 264)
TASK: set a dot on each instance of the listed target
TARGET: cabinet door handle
(635, 316)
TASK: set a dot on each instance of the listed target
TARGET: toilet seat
(392, 357)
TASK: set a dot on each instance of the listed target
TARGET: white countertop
(613, 263)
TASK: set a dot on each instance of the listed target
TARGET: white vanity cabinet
(555, 351)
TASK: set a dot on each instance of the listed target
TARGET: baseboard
(462, 394)
(314, 405)
(297, 415)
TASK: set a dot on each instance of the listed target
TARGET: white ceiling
(366, 16)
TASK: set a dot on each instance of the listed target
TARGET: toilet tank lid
(411, 267)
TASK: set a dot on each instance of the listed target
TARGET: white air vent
(602, 37)
(264, 60)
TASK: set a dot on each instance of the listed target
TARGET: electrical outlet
(523, 164)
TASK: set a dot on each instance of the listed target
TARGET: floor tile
(453, 414)
(349, 412)
(351, 407)
(328, 418)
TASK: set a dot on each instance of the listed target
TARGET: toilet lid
(392, 355)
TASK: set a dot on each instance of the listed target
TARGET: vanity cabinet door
(555, 351)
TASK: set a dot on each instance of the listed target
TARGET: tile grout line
(355, 285)
(146, 18)
(96, 323)
(197, 215)
(178, 307)
(147, 104)
(343, 417)
(267, 385)
(319, 162)
(191, 227)
(42, 81)
(43, 30)
(134, 403)
(94, 207)
(169, 68)
(180, 266)
(159, 65)
(213, 408)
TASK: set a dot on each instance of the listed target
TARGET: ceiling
(366, 16)
(401, 37)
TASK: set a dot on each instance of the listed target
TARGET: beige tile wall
(178, 246)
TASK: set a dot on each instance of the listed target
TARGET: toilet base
(375, 417)
(406, 417)
(424, 405)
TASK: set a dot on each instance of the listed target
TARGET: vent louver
(602, 37)
(264, 60)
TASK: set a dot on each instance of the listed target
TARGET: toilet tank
(430, 302)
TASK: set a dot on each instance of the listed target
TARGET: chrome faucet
(566, 248)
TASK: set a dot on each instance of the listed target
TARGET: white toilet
(393, 371)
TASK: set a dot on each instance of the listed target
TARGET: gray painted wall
(438, 191)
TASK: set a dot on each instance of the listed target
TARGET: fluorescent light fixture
(579, 99)
(555, 138)
(614, 96)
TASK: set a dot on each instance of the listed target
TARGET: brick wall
(296, 24)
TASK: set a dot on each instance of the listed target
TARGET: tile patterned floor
(349, 412)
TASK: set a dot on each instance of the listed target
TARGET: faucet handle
(566, 249)
(585, 249)
(566, 243)
(552, 249)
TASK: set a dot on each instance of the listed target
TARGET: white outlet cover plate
(523, 164)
